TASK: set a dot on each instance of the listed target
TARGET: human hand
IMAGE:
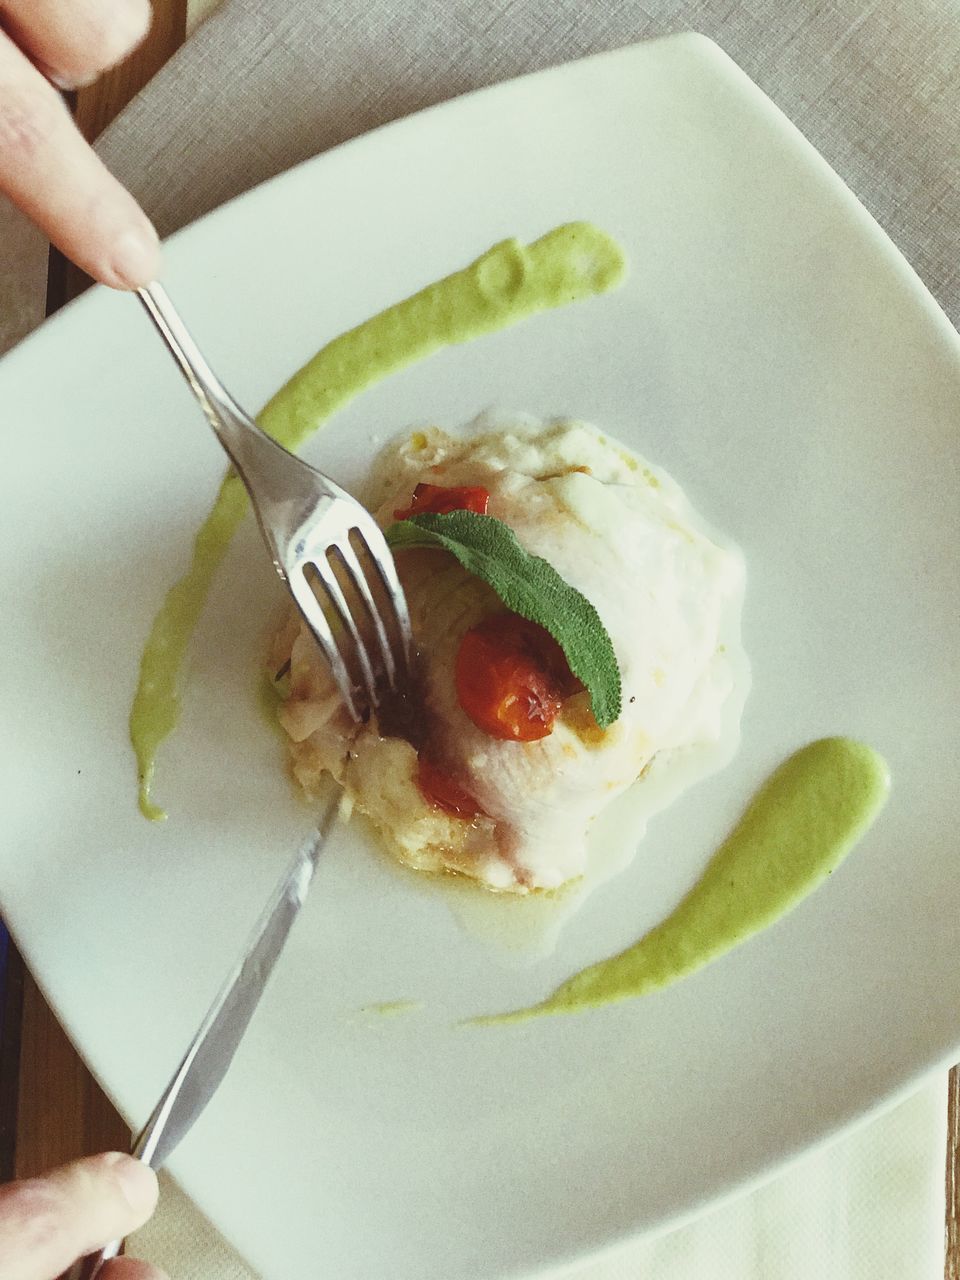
(45, 166)
(47, 1223)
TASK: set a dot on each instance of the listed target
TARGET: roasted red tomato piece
(436, 499)
(511, 678)
(437, 787)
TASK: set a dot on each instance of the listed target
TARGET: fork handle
(223, 413)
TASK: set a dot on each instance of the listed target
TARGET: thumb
(47, 1223)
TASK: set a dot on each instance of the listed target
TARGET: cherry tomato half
(511, 678)
(437, 787)
(436, 499)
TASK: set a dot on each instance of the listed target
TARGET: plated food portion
(505, 286)
(533, 709)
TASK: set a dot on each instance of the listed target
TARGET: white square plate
(773, 352)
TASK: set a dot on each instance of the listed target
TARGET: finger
(47, 1223)
(74, 40)
(49, 171)
(130, 1269)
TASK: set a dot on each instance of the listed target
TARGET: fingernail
(63, 82)
(135, 257)
(137, 1181)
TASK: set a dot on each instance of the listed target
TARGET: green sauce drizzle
(507, 284)
(797, 829)
(391, 1008)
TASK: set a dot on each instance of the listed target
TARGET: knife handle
(88, 1267)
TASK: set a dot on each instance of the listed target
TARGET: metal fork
(305, 520)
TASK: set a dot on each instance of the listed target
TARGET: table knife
(212, 1050)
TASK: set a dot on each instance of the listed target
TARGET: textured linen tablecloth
(874, 86)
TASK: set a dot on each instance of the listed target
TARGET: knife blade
(212, 1049)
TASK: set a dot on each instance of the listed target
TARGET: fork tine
(358, 579)
(312, 614)
(324, 571)
(375, 545)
